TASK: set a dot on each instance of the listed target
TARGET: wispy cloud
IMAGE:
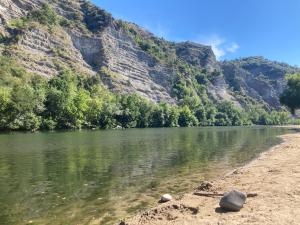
(233, 47)
(219, 45)
(158, 29)
(215, 42)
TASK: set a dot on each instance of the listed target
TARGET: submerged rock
(165, 198)
(233, 200)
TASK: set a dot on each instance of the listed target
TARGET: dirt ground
(274, 176)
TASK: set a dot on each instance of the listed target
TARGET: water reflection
(78, 177)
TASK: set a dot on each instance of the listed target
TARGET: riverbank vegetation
(291, 95)
(74, 101)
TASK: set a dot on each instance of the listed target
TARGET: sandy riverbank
(275, 176)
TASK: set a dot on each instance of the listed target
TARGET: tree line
(74, 101)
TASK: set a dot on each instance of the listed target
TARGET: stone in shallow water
(165, 198)
(233, 200)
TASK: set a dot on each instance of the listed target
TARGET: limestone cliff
(258, 78)
(129, 59)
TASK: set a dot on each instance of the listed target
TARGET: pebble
(166, 198)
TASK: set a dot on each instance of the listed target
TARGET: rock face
(96, 41)
(197, 54)
(40, 52)
(258, 78)
(135, 70)
(233, 200)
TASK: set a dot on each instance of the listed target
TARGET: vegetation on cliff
(45, 16)
(71, 101)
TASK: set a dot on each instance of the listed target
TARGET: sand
(274, 176)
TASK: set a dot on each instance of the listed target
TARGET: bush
(291, 95)
(186, 118)
(228, 114)
(46, 16)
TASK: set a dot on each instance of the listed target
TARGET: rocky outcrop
(13, 9)
(135, 70)
(90, 48)
(42, 53)
(96, 42)
(198, 55)
(259, 78)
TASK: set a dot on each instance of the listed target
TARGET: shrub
(46, 16)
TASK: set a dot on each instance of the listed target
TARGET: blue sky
(235, 28)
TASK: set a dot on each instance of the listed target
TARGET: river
(98, 177)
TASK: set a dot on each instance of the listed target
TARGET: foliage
(164, 115)
(46, 15)
(291, 95)
(187, 118)
(74, 101)
(258, 115)
(228, 115)
(22, 97)
(295, 121)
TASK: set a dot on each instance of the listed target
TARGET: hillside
(76, 35)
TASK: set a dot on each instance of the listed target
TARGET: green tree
(129, 111)
(101, 108)
(5, 103)
(201, 115)
(210, 114)
(221, 119)
(63, 101)
(81, 104)
(26, 108)
(164, 115)
(187, 118)
(157, 118)
(291, 95)
(171, 115)
(229, 114)
(144, 117)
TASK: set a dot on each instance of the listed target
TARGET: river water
(98, 177)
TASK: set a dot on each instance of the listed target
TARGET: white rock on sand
(166, 198)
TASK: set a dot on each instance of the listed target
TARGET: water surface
(96, 177)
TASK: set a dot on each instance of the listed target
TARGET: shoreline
(132, 128)
(277, 202)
